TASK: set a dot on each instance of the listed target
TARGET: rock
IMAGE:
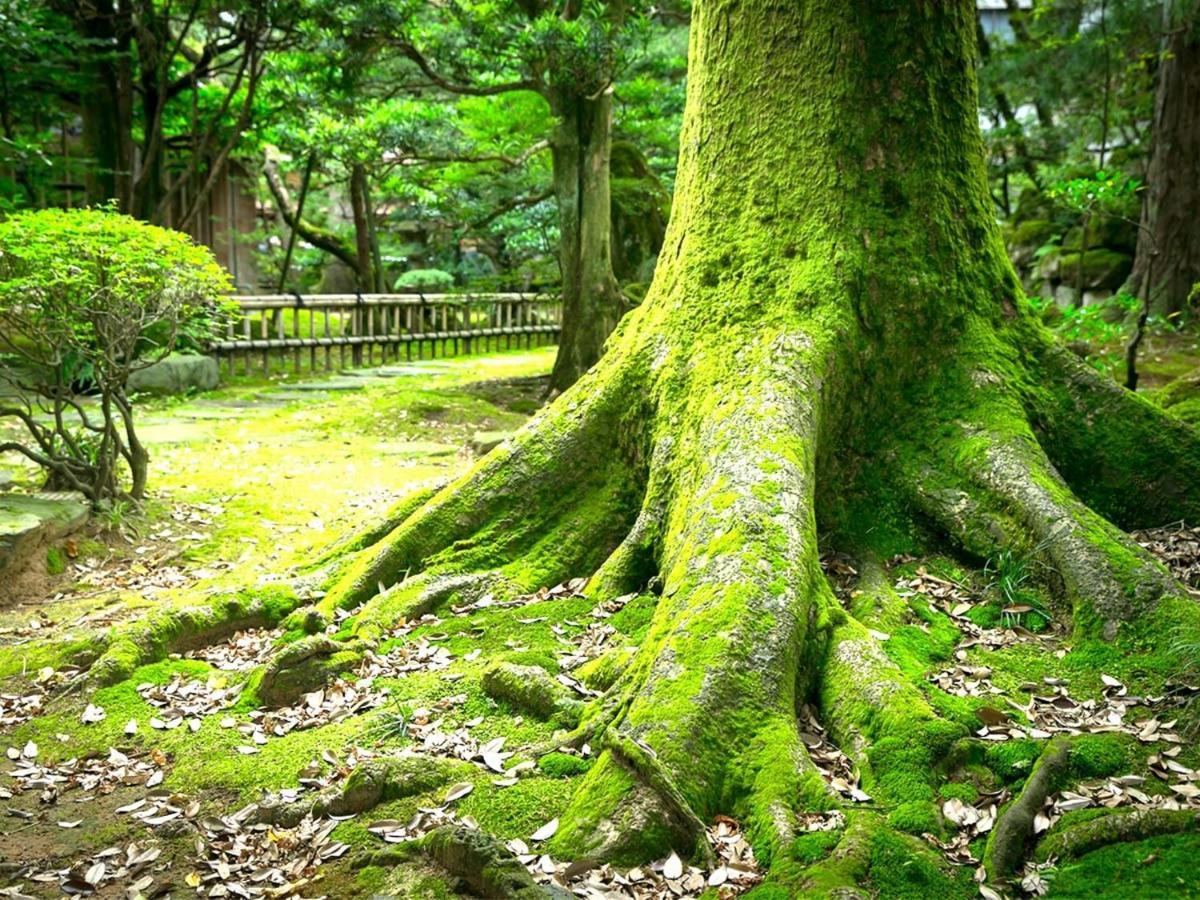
(484, 441)
(531, 689)
(177, 374)
(30, 522)
(305, 666)
(1024, 239)
(1103, 269)
(1110, 232)
(1065, 296)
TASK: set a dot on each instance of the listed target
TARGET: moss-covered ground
(251, 483)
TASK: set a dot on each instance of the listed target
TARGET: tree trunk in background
(834, 344)
(641, 206)
(106, 102)
(1169, 238)
(592, 302)
(362, 228)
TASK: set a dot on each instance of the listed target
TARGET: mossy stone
(1102, 268)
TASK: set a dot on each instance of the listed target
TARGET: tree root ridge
(1008, 845)
(486, 867)
(1119, 825)
(187, 628)
(1133, 463)
(994, 491)
(372, 783)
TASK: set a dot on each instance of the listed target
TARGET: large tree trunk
(834, 343)
(1167, 264)
(591, 299)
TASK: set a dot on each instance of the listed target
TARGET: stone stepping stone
(416, 448)
(341, 383)
(259, 401)
(398, 371)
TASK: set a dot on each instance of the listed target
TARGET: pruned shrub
(87, 297)
(432, 280)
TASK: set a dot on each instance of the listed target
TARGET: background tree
(1167, 266)
(570, 54)
(156, 77)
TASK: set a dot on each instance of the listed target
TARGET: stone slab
(32, 521)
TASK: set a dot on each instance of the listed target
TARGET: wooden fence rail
(354, 327)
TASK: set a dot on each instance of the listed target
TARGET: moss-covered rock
(1107, 232)
(1102, 269)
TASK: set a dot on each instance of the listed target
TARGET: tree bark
(1167, 263)
(592, 304)
(362, 229)
(106, 103)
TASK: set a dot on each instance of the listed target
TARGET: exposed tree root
(1118, 825)
(996, 490)
(1010, 840)
(488, 869)
(303, 666)
(531, 689)
(370, 784)
(1127, 459)
(180, 630)
(515, 506)
(842, 873)
(883, 722)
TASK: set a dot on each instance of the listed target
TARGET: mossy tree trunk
(581, 146)
(834, 341)
(1167, 264)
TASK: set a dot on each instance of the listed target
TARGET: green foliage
(1105, 193)
(103, 289)
(1010, 577)
(390, 726)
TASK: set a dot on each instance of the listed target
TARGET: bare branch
(471, 90)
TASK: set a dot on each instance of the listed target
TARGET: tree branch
(313, 234)
(515, 203)
(511, 162)
(466, 89)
